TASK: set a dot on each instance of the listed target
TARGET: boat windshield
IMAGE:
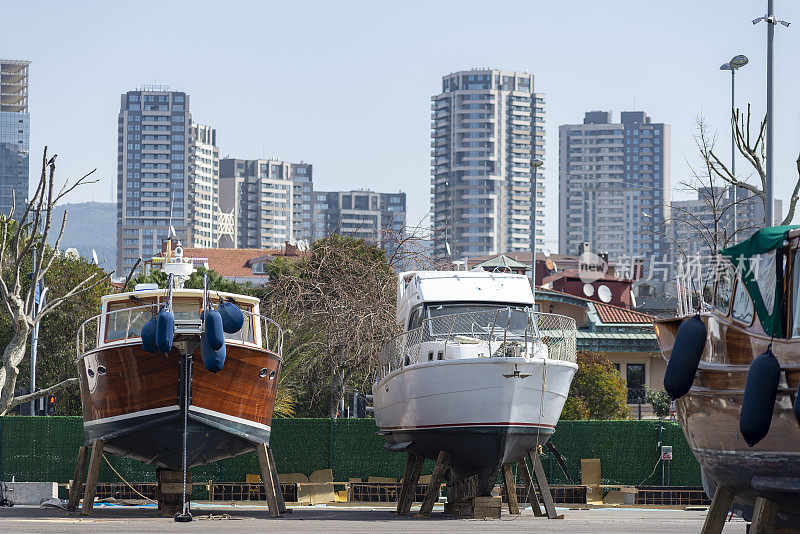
(477, 320)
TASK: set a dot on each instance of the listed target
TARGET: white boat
(477, 372)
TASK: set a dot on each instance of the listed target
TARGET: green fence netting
(45, 449)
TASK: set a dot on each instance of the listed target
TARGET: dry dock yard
(351, 519)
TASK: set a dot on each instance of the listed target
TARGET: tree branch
(22, 399)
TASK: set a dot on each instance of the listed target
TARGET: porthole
(272, 375)
(90, 372)
(101, 370)
(263, 373)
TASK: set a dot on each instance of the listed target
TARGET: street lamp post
(535, 164)
(735, 63)
(771, 21)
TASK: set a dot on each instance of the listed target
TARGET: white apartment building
(487, 126)
(614, 185)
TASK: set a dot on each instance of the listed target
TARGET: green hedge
(45, 449)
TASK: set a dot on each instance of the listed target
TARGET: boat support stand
(765, 513)
(269, 477)
(76, 484)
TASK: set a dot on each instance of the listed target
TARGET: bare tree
(341, 297)
(705, 225)
(22, 237)
(753, 148)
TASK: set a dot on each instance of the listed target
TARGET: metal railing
(124, 325)
(505, 332)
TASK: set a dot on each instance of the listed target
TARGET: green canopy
(761, 271)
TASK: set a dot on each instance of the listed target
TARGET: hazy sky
(347, 85)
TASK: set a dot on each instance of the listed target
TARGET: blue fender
(213, 360)
(149, 336)
(213, 320)
(165, 331)
(685, 358)
(758, 402)
(232, 317)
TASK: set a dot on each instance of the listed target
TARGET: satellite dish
(604, 293)
(588, 290)
(302, 245)
(551, 265)
(94, 257)
(72, 254)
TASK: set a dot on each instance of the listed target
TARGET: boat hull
(483, 411)
(709, 416)
(132, 402)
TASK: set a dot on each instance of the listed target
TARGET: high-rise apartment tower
(167, 173)
(614, 185)
(487, 127)
(14, 134)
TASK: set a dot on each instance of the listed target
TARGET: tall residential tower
(614, 185)
(487, 127)
(14, 134)
(167, 175)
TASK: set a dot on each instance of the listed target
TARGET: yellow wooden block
(252, 479)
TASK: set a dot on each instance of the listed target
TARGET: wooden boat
(476, 373)
(137, 402)
(737, 332)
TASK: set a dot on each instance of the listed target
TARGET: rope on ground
(218, 517)
(125, 481)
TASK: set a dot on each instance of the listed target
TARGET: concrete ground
(349, 519)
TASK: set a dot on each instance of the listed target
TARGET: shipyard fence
(45, 449)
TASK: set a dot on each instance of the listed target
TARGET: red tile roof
(234, 262)
(616, 315)
(608, 313)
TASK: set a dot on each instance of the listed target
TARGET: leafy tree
(659, 400)
(23, 234)
(597, 391)
(338, 302)
(195, 281)
(56, 346)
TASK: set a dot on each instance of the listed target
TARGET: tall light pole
(771, 21)
(535, 164)
(736, 62)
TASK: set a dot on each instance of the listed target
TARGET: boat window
(123, 322)
(796, 295)
(722, 297)
(415, 318)
(742, 309)
(478, 320)
(186, 309)
(764, 273)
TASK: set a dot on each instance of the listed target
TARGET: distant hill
(90, 225)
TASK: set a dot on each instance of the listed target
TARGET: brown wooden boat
(135, 401)
(710, 412)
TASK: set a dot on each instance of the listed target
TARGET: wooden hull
(709, 415)
(132, 402)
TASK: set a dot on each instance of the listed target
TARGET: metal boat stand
(76, 484)
(269, 477)
(765, 513)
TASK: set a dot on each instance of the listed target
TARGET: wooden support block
(544, 486)
(486, 507)
(267, 476)
(410, 480)
(175, 488)
(432, 494)
(276, 483)
(764, 514)
(91, 477)
(526, 479)
(76, 484)
(718, 512)
(511, 489)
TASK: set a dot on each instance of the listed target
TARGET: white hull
(504, 404)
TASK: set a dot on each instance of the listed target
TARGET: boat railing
(504, 332)
(124, 325)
